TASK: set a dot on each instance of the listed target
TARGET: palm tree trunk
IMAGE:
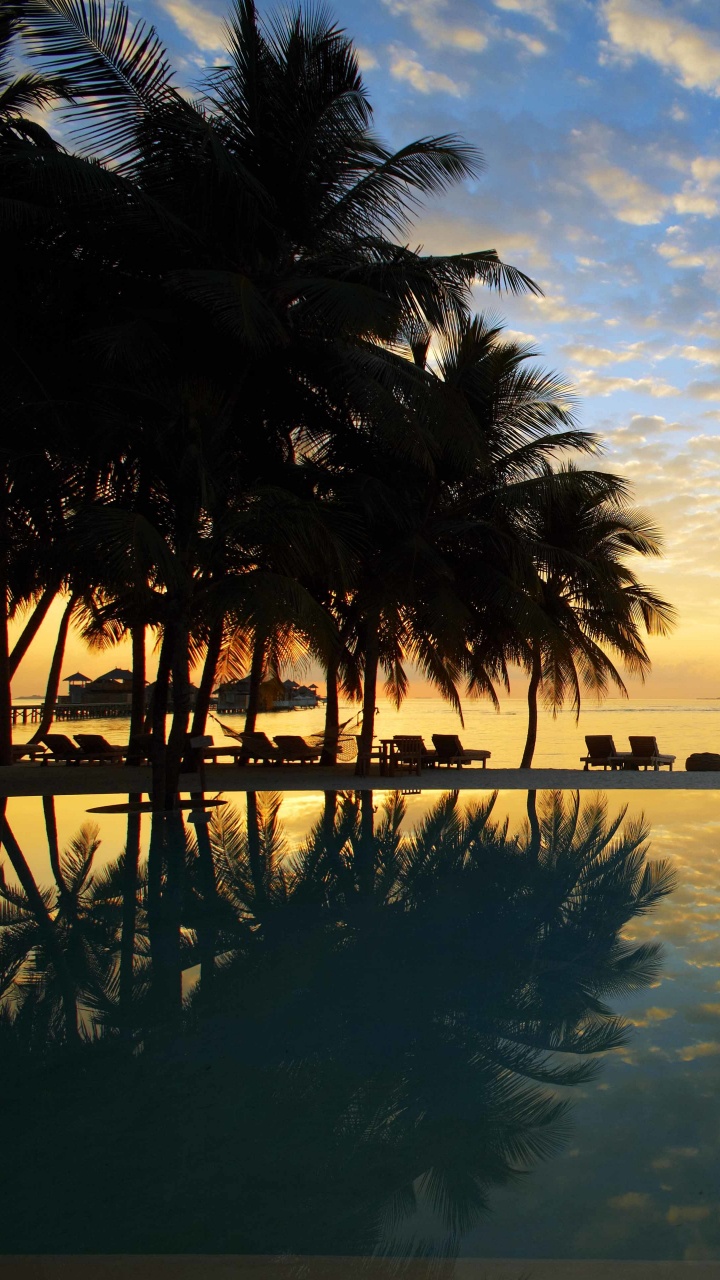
(48, 803)
(257, 867)
(167, 854)
(31, 628)
(137, 697)
(372, 657)
(53, 684)
(207, 924)
(535, 678)
(332, 713)
(6, 756)
(159, 717)
(365, 852)
(207, 680)
(129, 907)
(177, 738)
(534, 824)
(46, 927)
(257, 667)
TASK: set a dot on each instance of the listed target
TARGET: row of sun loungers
(403, 751)
(644, 753)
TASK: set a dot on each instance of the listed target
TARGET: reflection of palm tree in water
(388, 1017)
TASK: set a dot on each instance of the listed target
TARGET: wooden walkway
(31, 712)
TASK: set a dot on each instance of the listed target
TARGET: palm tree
(300, 295)
(589, 599)
(446, 540)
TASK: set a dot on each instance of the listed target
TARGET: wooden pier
(31, 712)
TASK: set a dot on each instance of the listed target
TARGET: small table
(387, 756)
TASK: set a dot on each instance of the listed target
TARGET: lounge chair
(62, 748)
(291, 747)
(601, 752)
(211, 753)
(410, 750)
(31, 750)
(450, 751)
(99, 748)
(645, 754)
(257, 746)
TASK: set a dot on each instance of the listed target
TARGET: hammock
(345, 744)
(231, 733)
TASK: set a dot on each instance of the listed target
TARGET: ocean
(681, 726)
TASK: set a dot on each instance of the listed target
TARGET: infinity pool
(410, 1025)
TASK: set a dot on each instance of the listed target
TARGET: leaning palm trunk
(46, 928)
(129, 909)
(207, 680)
(533, 687)
(159, 717)
(257, 667)
(31, 628)
(332, 714)
(372, 658)
(6, 756)
(137, 697)
(48, 804)
(53, 684)
(207, 926)
(166, 864)
(255, 858)
(177, 738)
(534, 845)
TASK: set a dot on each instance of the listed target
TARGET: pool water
(411, 1025)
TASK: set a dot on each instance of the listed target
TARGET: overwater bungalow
(275, 695)
(111, 688)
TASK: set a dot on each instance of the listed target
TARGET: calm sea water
(680, 726)
(362, 1077)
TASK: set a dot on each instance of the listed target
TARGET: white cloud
(538, 9)
(678, 257)
(705, 168)
(449, 233)
(556, 309)
(692, 201)
(709, 390)
(598, 357)
(425, 18)
(678, 1214)
(404, 65)
(679, 254)
(632, 1202)
(366, 58)
(591, 384)
(644, 28)
(702, 355)
(627, 197)
(519, 336)
(203, 28)
(529, 43)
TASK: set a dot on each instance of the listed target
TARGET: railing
(31, 713)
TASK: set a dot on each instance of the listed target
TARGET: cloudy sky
(598, 121)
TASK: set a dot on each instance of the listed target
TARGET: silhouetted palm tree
(591, 603)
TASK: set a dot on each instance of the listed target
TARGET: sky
(598, 122)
